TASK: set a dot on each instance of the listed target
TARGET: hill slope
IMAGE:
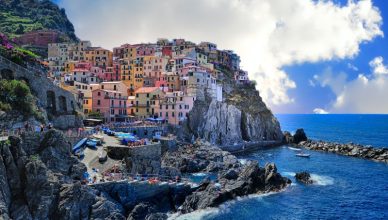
(21, 16)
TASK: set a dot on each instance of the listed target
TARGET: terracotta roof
(146, 89)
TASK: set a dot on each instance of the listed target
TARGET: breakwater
(350, 149)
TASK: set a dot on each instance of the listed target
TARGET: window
(114, 87)
(166, 106)
(99, 94)
(137, 95)
(112, 112)
(160, 106)
(173, 114)
(98, 102)
(137, 110)
(160, 114)
(166, 114)
(173, 106)
(148, 95)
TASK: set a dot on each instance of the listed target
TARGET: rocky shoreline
(42, 180)
(350, 149)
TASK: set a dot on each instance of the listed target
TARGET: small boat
(302, 155)
(102, 156)
(295, 149)
(79, 145)
(98, 141)
(91, 144)
(99, 137)
(79, 153)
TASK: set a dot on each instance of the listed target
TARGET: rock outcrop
(304, 177)
(241, 117)
(234, 179)
(351, 149)
(298, 137)
(251, 180)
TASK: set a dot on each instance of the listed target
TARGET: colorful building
(111, 104)
(144, 98)
(174, 107)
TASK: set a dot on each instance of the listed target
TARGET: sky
(307, 56)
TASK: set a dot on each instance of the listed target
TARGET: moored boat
(302, 155)
(294, 148)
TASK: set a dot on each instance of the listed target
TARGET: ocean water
(361, 129)
(345, 188)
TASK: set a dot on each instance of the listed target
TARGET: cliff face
(241, 116)
(41, 180)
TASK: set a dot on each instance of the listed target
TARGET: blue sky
(306, 55)
(309, 97)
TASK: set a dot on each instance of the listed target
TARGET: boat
(295, 149)
(102, 157)
(79, 145)
(99, 137)
(98, 141)
(79, 153)
(302, 155)
(91, 144)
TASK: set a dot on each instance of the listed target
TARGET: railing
(109, 177)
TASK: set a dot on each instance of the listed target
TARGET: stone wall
(145, 159)
(52, 98)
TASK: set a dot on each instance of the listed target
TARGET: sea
(345, 187)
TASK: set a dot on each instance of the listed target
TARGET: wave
(211, 213)
(322, 180)
(199, 174)
(292, 174)
(243, 161)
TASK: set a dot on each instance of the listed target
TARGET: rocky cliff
(242, 116)
(40, 179)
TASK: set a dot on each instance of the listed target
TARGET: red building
(38, 38)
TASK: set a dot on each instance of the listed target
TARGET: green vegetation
(16, 95)
(26, 52)
(20, 16)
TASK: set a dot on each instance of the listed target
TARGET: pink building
(112, 73)
(174, 107)
(146, 50)
(111, 104)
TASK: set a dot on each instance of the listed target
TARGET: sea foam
(322, 180)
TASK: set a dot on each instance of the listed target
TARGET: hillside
(21, 16)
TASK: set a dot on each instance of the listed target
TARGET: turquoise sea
(346, 188)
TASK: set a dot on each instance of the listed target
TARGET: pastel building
(111, 104)
(200, 84)
(99, 57)
(174, 107)
(85, 95)
(144, 98)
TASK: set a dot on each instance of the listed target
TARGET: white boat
(295, 149)
(302, 155)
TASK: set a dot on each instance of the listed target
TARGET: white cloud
(378, 67)
(352, 67)
(268, 34)
(364, 94)
(320, 111)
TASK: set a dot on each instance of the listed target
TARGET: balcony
(115, 97)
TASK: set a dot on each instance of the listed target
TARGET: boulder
(299, 136)
(304, 177)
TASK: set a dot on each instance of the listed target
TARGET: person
(26, 126)
(41, 128)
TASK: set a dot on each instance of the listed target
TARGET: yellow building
(85, 94)
(132, 74)
(70, 66)
(99, 57)
(144, 98)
